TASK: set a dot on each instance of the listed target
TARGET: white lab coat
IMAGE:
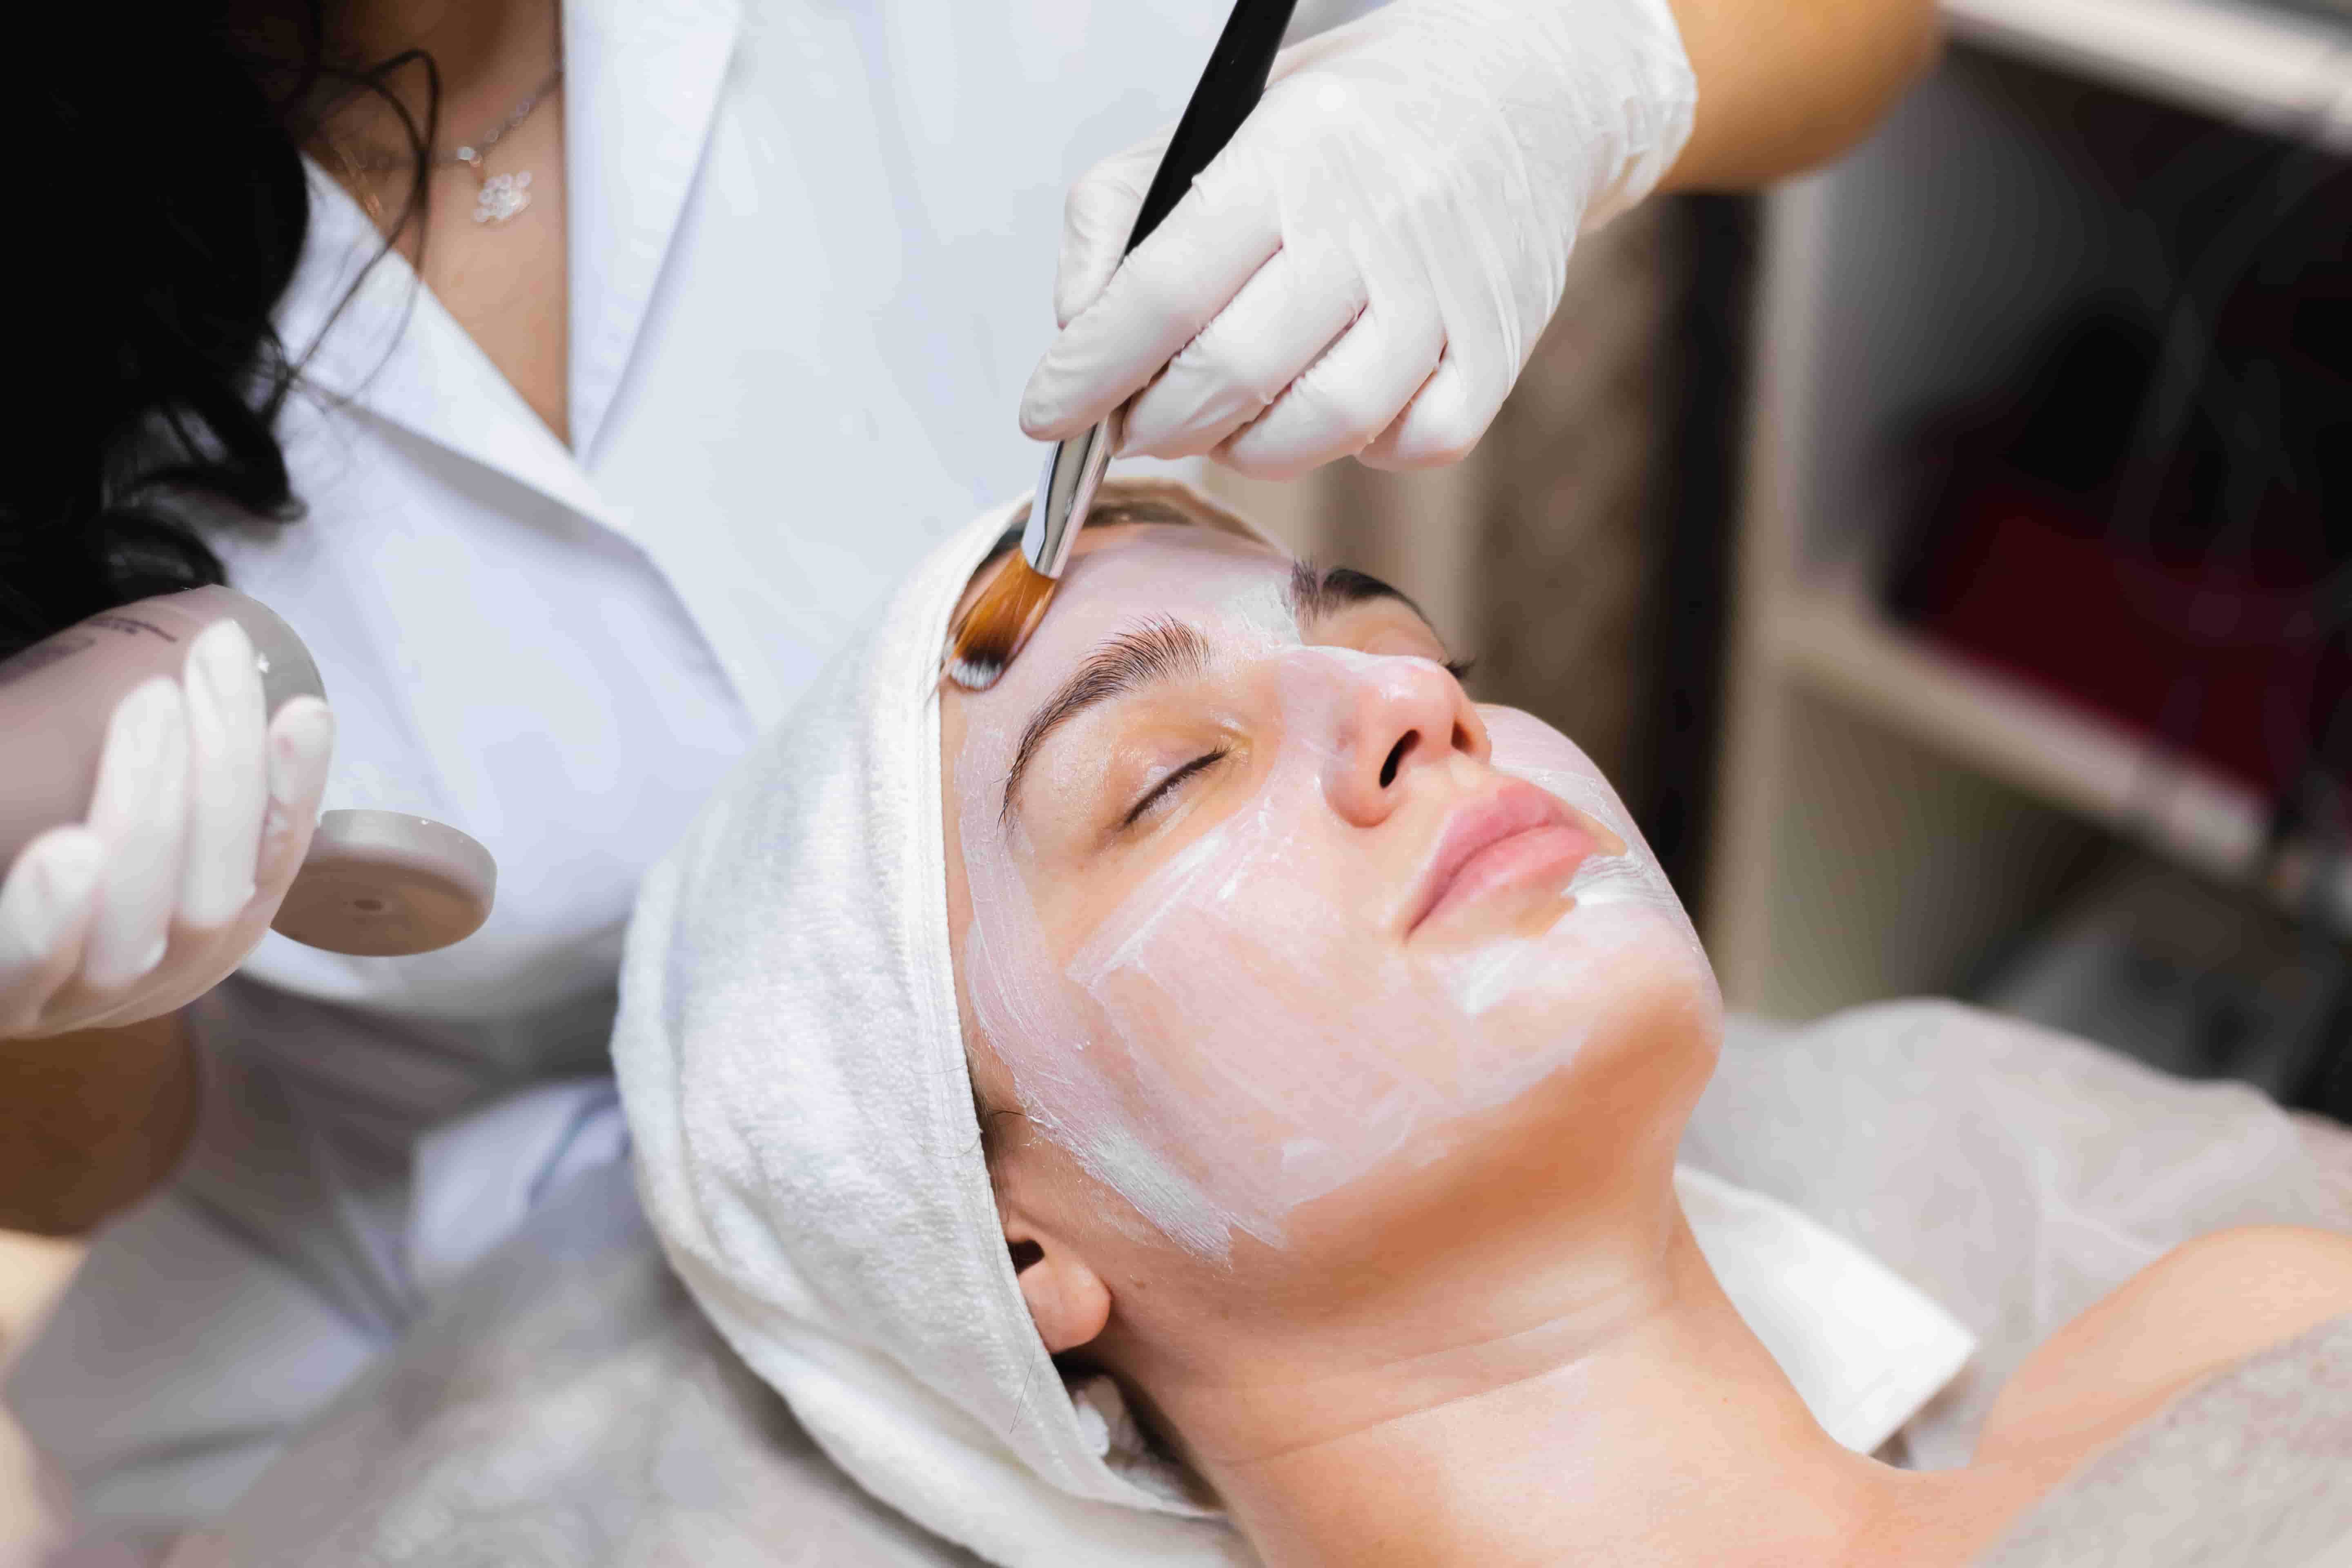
(812, 248)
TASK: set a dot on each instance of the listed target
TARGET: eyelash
(1459, 669)
(1198, 764)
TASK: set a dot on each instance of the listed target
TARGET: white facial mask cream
(1243, 1034)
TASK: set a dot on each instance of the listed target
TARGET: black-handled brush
(987, 636)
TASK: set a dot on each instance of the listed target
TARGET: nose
(1396, 716)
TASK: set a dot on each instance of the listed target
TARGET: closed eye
(1167, 786)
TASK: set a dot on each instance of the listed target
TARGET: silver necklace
(498, 198)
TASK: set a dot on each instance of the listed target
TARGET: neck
(1634, 1419)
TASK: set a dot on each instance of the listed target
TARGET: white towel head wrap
(793, 1071)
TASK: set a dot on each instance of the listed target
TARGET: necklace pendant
(502, 196)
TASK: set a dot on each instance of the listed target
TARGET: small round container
(382, 884)
(379, 884)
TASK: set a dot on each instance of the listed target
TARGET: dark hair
(166, 213)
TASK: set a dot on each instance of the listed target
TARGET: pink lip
(1515, 832)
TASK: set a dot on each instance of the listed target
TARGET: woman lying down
(1246, 1132)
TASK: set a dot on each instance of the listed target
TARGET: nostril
(1397, 756)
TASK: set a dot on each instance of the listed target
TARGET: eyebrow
(1157, 650)
(1165, 648)
(1315, 591)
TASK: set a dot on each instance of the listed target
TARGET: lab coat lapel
(644, 79)
(393, 350)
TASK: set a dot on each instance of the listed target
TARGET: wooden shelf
(1891, 813)
(1831, 640)
(2265, 66)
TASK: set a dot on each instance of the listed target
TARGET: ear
(1067, 1300)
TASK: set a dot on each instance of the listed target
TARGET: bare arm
(1785, 84)
(2204, 1305)
(89, 1122)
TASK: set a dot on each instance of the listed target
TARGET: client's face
(1278, 942)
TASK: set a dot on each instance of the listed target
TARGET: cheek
(1204, 1050)
(1524, 746)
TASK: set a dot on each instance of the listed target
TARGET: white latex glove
(203, 811)
(1368, 265)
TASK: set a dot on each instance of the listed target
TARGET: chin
(1605, 978)
(1590, 1133)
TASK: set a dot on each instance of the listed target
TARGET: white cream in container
(374, 883)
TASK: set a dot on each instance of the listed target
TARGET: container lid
(384, 884)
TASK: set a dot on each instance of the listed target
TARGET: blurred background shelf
(2262, 64)
(1889, 815)
(1835, 641)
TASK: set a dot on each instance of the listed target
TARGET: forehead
(1129, 572)
(1111, 561)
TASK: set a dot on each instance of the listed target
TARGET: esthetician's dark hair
(164, 215)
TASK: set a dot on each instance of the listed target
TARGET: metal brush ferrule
(1065, 493)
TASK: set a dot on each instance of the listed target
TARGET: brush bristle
(989, 634)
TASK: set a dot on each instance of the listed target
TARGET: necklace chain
(474, 152)
(376, 160)
(499, 197)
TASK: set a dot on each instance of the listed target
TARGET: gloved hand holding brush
(1367, 266)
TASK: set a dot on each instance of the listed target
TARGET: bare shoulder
(2202, 1307)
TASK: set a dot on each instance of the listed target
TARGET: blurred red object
(2220, 658)
(2191, 580)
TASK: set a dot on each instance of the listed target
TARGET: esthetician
(571, 379)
